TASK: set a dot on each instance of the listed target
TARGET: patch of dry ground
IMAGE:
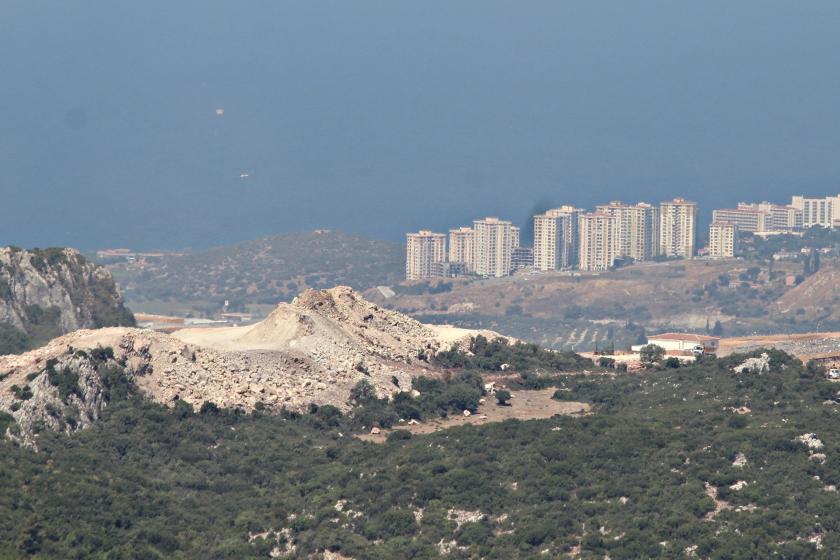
(802, 345)
(524, 405)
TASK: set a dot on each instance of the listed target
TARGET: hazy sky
(383, 117)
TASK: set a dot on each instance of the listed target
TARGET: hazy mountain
(266, 270)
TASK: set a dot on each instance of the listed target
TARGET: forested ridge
(633, 480)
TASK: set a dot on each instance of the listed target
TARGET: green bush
(503, 397)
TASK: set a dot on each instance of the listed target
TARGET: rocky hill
(266, 270)
(46, 293)
(581, 311)
(312, 350)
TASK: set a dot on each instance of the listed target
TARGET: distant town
(569, 238)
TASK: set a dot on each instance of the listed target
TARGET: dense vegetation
(812, 238)
(498, 355)
(629, 481)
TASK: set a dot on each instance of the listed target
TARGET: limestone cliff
(47, 293)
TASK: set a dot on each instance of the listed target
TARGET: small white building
(683, 342)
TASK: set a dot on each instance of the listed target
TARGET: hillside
(312, 350)
(264, 271)
(46, 293)
(581, 310)
(817, 297)
(698, 461)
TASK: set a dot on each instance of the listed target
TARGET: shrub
(101, 354)
(363, 392)
(399, 435)
(66, 380)
(503, 397)
(672, 362)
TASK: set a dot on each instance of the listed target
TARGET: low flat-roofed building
(683, 342)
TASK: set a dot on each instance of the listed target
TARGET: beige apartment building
(677, 223)
(781, 218)
(723, 240)
(461, 247)
(424, 250)
(493, 246)
(746, 217)
(760, 217)
(599, 244)
(824, 212)
(638, 229)
(556, 238)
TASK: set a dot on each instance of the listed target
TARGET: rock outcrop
(312, 350)
(46, 293)
(64, 394)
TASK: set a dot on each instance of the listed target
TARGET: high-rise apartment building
(762, 216)
(599, 244)
(638, 229)
(556, 238)
(521, 257)
(514, 237)
(492, 247)
(677, 222)
(461, 247)
(823, 212)
(423, 250)
(746, 217)
(781, 218)
(723, 240)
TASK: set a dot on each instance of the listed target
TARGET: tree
(605, 362)
(502, 397)
(363, 392)
(717, 330)
(651, 354)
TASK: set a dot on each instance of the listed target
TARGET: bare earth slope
(817, 295)
(314, 349)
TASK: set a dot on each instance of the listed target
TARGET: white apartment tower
(638, 229)
(599, 245)
(823, 212)
(677, 222)
(492, 247)
(723, 240)
(423, 250)
(556, 238)
(461, 247)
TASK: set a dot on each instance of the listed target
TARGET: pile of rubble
(314, 349)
